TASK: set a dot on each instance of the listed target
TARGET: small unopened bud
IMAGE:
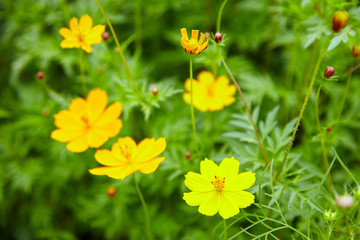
(40, 75)
(101, 70)
(329, 215)
(329, 129)
(207, 35)
(339, 20)
(329, 72)
(45, 112)
(356, 50)
(153, 88)
(218, 37)
(344, 201)
(187, 155)
(105, 36)
(111, 191)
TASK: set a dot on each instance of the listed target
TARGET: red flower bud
(340, 20)
(356, 50)
(153, 88)
(218, 37)
(40, 75)
(111, 191)
(207, 35)
(105, 36)
(187, 155)
(329, 129)
(329, 72)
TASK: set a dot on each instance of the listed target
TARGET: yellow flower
(126, 157)
(219, 188)
(81, 34)
(87, 123)
(210, 94)
(193, 46)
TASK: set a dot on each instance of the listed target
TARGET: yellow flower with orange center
(193, 46)
(219, 188)
(210, 94)
(88, 123)
(126, 157)
(81, 34)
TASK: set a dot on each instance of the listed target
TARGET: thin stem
(82, 73)
(225, 230)
(323, 148)
(119, 48)
(247, 109)
(192, 107)
(138, 27)
(346, 90)
(313, 77)
(218, 22)
(146, 212)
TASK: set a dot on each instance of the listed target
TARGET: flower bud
(329, 129)
(101, 70)
(105, 36)
(329, 72)
(111, 191)
(344, 201)
(329, 215)
(356, 50)
(207, 35)
(218, 37)
(40, 75)
(187, 155)
(340, 20)
(153, 88)
(45, 112)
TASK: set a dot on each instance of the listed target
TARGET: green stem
(82, 73)
(225, 230)
(346, 90)
(146, 212)
(192, 107)
(313, 77)
(247, 109)
(323, 148)
(218, 22)
(119, 48)
(138, 27)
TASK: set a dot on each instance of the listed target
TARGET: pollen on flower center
(125, 151)
(219, 183)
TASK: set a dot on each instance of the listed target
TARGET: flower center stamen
(125, 151)
(219, 183)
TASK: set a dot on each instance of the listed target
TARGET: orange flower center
(125, 151)
(219, 183)
(191, 46)
(210, 91)
(80, 37)
(85, 119)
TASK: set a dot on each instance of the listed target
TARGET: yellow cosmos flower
(87, 123)
(126, 157)
(81, 34)
(219, 188)
(210, 94)
(193, 46)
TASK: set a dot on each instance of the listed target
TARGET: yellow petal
(66, 135)
(211, 206)
(94, 35)
(74, 26)
(228, 207)
(96, 138)
(68, 120)
(240, 182)
(66, 33)
(85, 24)
(109, 115)
(111, 129)
(119, 172)
(196, 198)
(105, 157)
(242, 199)
(206, 77)
(70, 44)
(187, 98)
(149, 148)
(78, 145)
(95, 104)
(78, 106)
(194, 34)
(184, 33)
(198, 183)
(204, 46)
(229, 167)
(149, 166)
(86, 47)
(202, 38)
(209, 169)
(123, 146)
